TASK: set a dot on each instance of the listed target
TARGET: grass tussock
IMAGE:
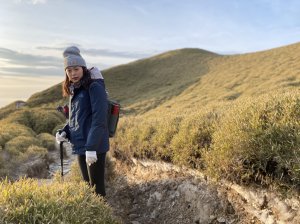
(27, 201)
(20, 145)
(9, 131)
(258, 140)
(179, 139)
(38, 119)
(254, 140)
(47, 140)
(7, 110)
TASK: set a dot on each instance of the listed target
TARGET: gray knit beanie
(72, 57)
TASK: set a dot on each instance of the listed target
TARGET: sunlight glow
(21, 88)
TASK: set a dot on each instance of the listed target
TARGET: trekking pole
(65, 111)
(61, 158)
(61, 149)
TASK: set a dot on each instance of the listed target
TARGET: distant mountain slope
(188, 77)
(232, 77)
(145, 83)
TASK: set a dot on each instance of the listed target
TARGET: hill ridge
(191, 73)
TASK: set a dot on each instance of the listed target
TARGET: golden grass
(174, 104)
(27, 201)
(252, 140)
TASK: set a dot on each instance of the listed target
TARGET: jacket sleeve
(98, 100)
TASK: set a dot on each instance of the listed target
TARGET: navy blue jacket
(87, 127)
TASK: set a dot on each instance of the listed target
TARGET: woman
(87, 127)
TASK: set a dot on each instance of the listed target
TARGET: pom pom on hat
(72, 57)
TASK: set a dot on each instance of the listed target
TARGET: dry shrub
(74, 175)
(258, 141)
(38, 119)
(20, 144)
(27, 201)
(166, 129)
(9, 131)
(34, 162)
(47, 140)
(179, 138)
(193, 138)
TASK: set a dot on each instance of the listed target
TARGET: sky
(34, 33)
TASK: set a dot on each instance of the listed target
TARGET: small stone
(135, 222)
(173, 203)
(132, 210)
(133, 216)
(221, 220)
(157, 196)
(212, 217)
(153, 214)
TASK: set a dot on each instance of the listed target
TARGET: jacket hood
(95, 73)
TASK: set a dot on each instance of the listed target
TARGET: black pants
(94, 174)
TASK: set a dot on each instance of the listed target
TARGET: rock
(188, 190)
(156, 196)
(135, 222)
(174, 194)
(153, 214)
(133, 216)
(212, 217)
(221, 220)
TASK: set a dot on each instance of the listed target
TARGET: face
(74, 73)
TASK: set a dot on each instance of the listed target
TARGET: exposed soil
(155, 192)
(144, 192)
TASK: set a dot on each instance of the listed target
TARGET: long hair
(85, 82)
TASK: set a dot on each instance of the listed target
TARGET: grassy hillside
(183, 102)
(182, 78)
(237, 76)
(254, 140)
(233, 117)
(144, 84)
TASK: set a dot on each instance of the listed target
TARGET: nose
(73, 73)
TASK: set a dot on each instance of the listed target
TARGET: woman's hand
(61, 137)
(90, 157)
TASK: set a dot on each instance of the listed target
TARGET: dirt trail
(54, 156)
(157, 192)
(147, 192)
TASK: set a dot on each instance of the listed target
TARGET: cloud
(141, 10)
(32, 71)
(103, 52)
(17, 63)
(17, 58)
(32, 2)
(111, 53)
